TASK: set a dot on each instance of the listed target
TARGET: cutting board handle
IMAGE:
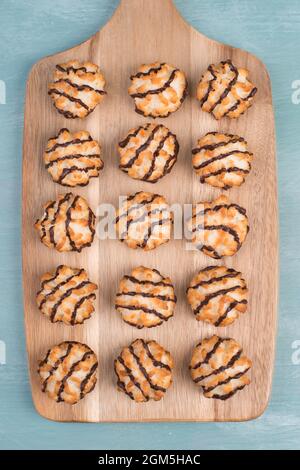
(157, 12)
(144, 6)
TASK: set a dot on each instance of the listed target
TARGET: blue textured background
(32, 29)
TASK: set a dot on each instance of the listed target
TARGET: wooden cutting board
(143, 31)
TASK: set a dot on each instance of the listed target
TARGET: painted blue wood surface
(32, 29)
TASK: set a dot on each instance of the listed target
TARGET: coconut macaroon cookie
(157, 89)
(144, 220)
(72, 159)
(219, 366)
(68, 223)
(148, 152)
(218, 228)
(145, 298)
(68, 372)
(224, 90)
(218, 295)
(66, 295)
(144, 370)
(77, 88)
(222, 160)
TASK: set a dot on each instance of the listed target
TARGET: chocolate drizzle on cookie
(77, 88)
(67, 296)
(219, 367)
(224, 90)
(156, 91)
(147, 281)
(148, 72)
(162, 99)
(148, 153)
(67, 224)
(218, 295)
(141, 148)
(144, 370)
(220, 228)
(71, 159)
(144, 221)
(222, 160)
(72, 375)
(57, 286)
(145, 298)
(55, 367)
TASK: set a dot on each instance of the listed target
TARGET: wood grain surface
(140, 32)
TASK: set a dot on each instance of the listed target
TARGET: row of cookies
(148, 153)
(144, 370)
(158, 89)
(145, 298)
(144, 220)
